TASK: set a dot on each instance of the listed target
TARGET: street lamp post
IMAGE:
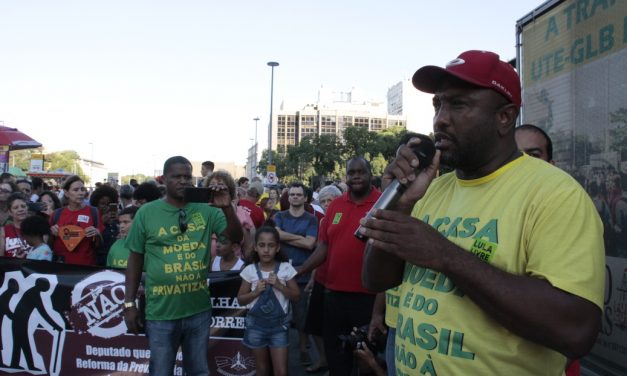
(91, 166)
(254, 164)
(256, 120)
(271, 64)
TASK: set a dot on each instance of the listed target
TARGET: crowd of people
(496, 267)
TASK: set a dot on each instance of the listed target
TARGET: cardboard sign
(71, 235)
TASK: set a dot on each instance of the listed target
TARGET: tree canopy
(68, 160)
(324, 157)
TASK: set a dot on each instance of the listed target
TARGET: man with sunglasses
(170, 239)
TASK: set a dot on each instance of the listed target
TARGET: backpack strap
(56, 215)
(258, 271)
(94, 215)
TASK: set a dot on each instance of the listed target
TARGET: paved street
(294, 366)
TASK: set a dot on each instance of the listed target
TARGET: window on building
(376, 124)
(362, 122)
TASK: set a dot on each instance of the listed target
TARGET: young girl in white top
(225, 257)
(267, 287)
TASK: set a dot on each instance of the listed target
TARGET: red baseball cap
(481, 68)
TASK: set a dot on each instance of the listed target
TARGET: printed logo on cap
(97, 304)
(455, 62)
(503, 88)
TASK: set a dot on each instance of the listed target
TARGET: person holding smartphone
(106, 198)
(168, 239)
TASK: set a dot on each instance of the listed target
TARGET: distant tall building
(332, 114)
(395, 99)
(404, 99)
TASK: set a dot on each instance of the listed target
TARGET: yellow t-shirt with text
(391, 306)
(527, 218)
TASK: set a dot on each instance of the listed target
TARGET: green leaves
(325, 156)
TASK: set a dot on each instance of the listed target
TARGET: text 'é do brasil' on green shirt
(176, 263)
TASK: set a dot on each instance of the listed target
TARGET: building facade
(403, 99)
(332, 114)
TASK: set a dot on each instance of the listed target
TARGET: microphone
(424, 151)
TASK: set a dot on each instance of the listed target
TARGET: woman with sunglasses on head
(223, 180)
(76, 228)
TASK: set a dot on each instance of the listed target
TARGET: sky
(129, 83)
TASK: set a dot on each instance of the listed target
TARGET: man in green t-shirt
(171, 240)
(500, 263)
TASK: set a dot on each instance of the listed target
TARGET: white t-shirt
(286, 272)
(215, 265)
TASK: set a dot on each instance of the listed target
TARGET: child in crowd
(118, 254)
(225, 257)
(267, 287)
(34, 229)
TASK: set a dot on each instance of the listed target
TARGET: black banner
(58, 319)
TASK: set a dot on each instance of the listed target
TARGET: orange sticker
(71, 235)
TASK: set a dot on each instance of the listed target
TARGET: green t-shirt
(176, 265)
(118, 255)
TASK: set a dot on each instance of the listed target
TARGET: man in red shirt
(347, 303)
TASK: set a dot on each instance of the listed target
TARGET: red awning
(16, 140)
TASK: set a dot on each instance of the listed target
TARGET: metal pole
(254, 164)
(271, 64)
(256, 120)
(91, 166)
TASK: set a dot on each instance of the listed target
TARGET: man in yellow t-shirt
(501, 262)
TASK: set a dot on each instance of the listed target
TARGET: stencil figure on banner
(36, 298)
(465, 241)
(171, 239)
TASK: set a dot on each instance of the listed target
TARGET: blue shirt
(305, 225)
